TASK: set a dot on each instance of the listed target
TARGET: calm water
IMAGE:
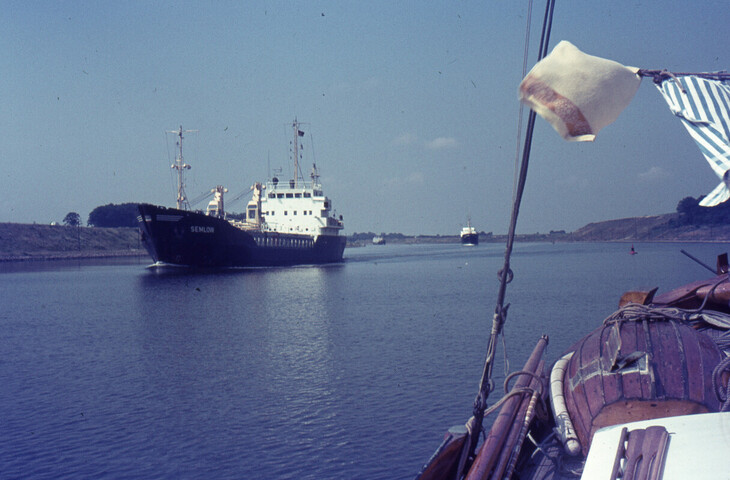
(340, 372)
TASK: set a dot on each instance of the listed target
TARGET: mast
(297, 133)
(180, 165)
(505, 274)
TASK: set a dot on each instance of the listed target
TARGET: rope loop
(513, 393)
(523, 372)
(510, 275)
(722, 392)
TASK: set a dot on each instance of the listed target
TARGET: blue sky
(411, 106)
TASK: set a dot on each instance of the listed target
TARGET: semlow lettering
(198, 229)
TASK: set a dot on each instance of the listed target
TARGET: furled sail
(703, 105)
(578, 94)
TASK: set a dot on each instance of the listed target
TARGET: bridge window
(285, 212)
(279, 195)
(272, 195)
(307, 195)
(297, 195)
(289, 195)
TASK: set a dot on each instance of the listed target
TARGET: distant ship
(378, 240)
(286, 223)
(469, 235)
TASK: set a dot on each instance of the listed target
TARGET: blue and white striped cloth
(703, 105)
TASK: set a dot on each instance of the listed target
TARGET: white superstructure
(293, 206)
(468, 230)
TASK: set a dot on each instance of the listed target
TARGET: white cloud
(405, 139)
(441, 142)
(415, 178)
(653, 174)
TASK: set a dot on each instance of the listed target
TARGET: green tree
(110, 216)
(689, 211)
(72, 219)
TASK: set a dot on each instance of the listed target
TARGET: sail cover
(578, 94)
(703, 105)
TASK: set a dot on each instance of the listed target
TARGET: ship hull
(470, 239)
(180, 237)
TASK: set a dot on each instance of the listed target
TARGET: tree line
(691, 213)
(121, 215)
(125, 215)
(106, 216)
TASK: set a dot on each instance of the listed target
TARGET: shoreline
(60, 256)
(98, 255)
(46, 243)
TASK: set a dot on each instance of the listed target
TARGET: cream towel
(578, 94)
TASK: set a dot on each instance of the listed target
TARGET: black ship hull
(470, 239)
(180, 237)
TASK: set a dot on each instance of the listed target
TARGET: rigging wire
(200, 198)
(521, 111)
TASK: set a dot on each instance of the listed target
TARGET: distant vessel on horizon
(285, 223)
(378, 240)
(469, 235)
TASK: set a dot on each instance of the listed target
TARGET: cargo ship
(285, 223)
(469, 235)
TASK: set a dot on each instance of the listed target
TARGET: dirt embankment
(655, 228)
(20, 241)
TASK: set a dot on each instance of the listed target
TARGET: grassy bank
(51, 242)
(655, 228)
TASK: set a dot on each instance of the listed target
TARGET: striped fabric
(703, 105)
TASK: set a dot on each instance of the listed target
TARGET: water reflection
(26, 266)
(254, 345)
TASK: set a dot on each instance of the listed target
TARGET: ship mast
(297, 133)
(180, 165)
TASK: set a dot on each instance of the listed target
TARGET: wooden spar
(691, 296)
(513, 439)
(719, 294)
(489, 451)
(530, 414)
(444, 461)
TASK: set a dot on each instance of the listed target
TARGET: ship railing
(333, 222)
(289, 185)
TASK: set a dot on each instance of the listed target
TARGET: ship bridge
(294, 207)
